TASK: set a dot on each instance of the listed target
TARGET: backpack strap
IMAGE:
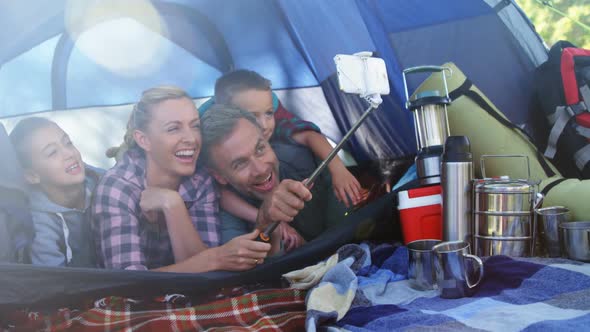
(582, 157)
(464, 90)
(585, 93)
(560, 118)
(583, 131)
(551, 185)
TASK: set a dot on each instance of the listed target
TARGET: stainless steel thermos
(456, 177)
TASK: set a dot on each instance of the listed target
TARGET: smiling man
(241, 158)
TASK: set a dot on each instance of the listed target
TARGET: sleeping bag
(473, 115)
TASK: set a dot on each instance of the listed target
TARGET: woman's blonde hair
(141, 115)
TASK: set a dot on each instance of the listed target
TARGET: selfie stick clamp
(374, 100)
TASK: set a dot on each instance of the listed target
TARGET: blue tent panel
(487, 54)
(411, 15)
(323, 29)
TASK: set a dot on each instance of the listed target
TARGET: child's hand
(346, 187)
(290, 237)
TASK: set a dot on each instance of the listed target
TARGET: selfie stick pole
(374, 101)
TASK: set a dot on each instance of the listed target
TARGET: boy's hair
(20, 137)
(141, 114)
(217, 123)
(228, 85)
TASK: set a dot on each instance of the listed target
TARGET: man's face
(245, 160)
(259, 103)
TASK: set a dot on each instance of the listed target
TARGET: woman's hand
(154, 200)
(290, 237)
(242, 253)
(346, 186)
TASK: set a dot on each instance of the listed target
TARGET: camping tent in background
(65, 55)
(84, 62)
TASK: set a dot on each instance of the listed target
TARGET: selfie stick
(374, 101)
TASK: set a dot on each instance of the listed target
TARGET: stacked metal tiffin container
(504, 221)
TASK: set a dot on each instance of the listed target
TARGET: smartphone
(363, 75)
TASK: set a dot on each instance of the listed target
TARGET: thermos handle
(425, 69)
(480, 264)
(483, 168)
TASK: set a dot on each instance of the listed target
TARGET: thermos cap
(457, 149)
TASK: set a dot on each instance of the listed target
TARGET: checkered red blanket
(263, 310)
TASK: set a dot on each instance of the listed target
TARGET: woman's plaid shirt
(124, 238)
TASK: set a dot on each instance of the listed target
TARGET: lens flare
(125, 37)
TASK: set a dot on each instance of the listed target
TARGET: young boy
(61, 187)
(250, 91)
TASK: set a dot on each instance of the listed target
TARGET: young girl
(61, 187)
(250, 91)
(155, 209)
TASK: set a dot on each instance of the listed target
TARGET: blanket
(262, 310)
(516, 294)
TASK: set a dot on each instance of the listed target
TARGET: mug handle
(480, 264)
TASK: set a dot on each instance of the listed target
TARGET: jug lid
(503, 186)
(428, 97)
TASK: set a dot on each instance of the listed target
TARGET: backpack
(562, 89)
(16, 224)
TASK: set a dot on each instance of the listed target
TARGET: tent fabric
(522, 28)
(45, 66)
(63, 286)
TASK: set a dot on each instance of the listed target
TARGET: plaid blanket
(516, 294)
(263, 310)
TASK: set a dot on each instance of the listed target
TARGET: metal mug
(453, 275)
(421, 274)
(549, 219)
(576, 240)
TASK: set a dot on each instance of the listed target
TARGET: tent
(84, 63)
(63, 55)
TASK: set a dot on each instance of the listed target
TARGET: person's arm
(235, 205)
(115, 225)
(46, 248)
(184, 238)
(239, 254)
(345, 184)
(290, 237)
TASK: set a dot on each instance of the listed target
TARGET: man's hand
(284, 203)
(242, 253)
(291, 238)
